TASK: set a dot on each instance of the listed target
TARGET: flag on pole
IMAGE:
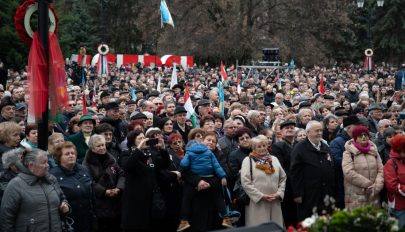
(158, 84)
(195, 83)
(94, 100)
(321, 84)
(173, 80)
(84, 92)
(292, 64)
(133, 94)
(368, 63)
(221, 106)
(239, 88)
(189, 107)
(165, 16)
(223, 73)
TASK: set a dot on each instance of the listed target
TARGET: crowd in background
(282, 149)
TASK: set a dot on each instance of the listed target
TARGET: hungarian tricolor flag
(368, 63)
(223, 72)
(189, 107)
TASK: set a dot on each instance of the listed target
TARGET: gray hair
(382, 122)
(32, 156)
(252, 113)
(148, 114)
(311, 124)
(228, 121)
(11, 157)
(301, 111)
(260, 139)
(93, 139)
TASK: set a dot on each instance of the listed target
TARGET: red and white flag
(223, 73)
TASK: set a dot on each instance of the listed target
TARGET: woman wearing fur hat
(362, 170)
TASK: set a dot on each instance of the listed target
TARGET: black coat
(282, 150)
(184, 134)
(106, 174)
(312, 177)
(171, 190)
(204, 213)
(76, 185)
(236, 159)
(141, 170)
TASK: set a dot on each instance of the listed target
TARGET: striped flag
(223, 72)
(221, 106)
(165, 16)
(133, 94)
(189, 107)
(368, 63)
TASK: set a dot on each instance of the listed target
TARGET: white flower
(308, 222)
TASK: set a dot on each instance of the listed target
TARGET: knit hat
(358, 130)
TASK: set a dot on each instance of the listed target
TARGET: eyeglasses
(363, 135)
(198, 136)
(158, 104)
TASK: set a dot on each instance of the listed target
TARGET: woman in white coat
(263, 180)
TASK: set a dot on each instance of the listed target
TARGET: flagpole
(43, 24)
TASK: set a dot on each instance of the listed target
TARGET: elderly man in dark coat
(282, 150)
(312, 172)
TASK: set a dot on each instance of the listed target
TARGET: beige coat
(260, 211)
(361, 172)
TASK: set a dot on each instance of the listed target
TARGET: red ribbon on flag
(37, 71)
(321, 85)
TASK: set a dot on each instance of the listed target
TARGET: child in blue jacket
(202, 162)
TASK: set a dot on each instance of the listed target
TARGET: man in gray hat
(203, 108)
(375, 114)
(282, 150)
(180, 117)
(7, 109)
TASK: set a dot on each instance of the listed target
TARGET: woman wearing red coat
(394, 177)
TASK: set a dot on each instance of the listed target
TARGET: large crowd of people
(289, 143)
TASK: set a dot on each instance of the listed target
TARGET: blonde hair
(260, 139)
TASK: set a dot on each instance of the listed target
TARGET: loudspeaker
(271, 54)
(268, 227)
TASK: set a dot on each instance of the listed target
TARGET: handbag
(241, 197)
(67, 224)
(158, 210)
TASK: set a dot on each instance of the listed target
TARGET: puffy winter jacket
(394, 177)
(31, 203)
(201, 161)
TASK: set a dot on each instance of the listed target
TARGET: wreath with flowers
(23, 16)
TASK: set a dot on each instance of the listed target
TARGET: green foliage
(76, 27)
(13, 52)
(365, 219)
(389, 31)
